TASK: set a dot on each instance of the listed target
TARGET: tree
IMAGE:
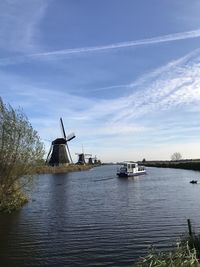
(176, 156)
(20, 152)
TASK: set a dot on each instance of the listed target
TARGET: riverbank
(182, 256)
(186, 254)
(63, 169)
(182, 164)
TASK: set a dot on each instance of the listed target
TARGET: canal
(93, 218)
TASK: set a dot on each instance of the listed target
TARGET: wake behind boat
(129, 169)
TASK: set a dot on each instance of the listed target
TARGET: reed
(182, 256)
(186, 254)
(62, 169)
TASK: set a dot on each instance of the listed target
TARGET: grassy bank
(186, 254)
(182, 256)
(62, 169)
(183, 164)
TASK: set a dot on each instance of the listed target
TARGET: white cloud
(137, 43)
(177, 84)
(115, 122)
(167, 87)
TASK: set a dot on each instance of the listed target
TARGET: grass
(186, 254)
(194, 243)
(62, 169)
(182, 256)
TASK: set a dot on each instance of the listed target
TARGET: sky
(124, 75)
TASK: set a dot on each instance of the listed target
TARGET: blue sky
(124, 75)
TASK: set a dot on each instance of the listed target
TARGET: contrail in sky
(148, 41)
(136, 43)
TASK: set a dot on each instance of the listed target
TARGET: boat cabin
(132, 167)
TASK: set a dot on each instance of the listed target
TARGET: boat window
(133, 165)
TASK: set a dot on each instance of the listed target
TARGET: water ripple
(93, 218)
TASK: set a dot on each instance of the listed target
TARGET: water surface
(93, 218)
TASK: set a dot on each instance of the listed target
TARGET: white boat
(130, 168)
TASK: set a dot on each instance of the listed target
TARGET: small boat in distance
(129, 169)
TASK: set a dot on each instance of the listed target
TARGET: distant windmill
(59, 153)
(90, 160)
(95, 160)
(82, 157)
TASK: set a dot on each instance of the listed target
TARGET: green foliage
(12, 201)
(183, 256)
(193, 242)
(188, 165)
(20, 153)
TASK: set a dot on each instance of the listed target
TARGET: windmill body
(59, 153)
(90, 160)
(81, 159)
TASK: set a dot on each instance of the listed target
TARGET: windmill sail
(70, 137)
(63, 129)
(49, 154)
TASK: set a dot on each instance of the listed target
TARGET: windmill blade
(63, 129)
(70, 157)
(49, 154)
(88, 155)
(70, 137)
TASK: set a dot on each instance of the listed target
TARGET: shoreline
(63, 169)
(182, 164)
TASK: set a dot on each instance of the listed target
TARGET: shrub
(182, 256)
(20, 152)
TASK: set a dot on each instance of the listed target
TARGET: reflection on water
(93, 218)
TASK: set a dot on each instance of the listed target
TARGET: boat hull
(120, 174)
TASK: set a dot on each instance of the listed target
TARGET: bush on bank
(182, 256)
(190, 165)
(20, 152)
(187, 254)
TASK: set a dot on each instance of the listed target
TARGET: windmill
(59, 153)
(90, 160)
(95, 160)
(82, 157)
